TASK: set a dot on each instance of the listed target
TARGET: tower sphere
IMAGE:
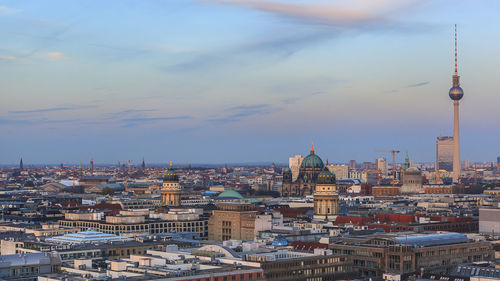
(456, 93)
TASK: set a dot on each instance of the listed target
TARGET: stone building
(171, 190)
(134, 225)
(301, 266)
(326, 198)
(412, 181)
(310, 168)
(409, 253)
(232, 221)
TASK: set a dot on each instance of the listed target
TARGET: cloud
(339, 14)
(152, 119)
(330, 21)
(278, 47)
(133, 122)
(56, 56)
(52, 109)
(37, 121)
(10, 58)
(129, 113)
(7, 10)
(418, 84)
(293, 100)
(238, 113)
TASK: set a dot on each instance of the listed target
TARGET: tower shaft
(456, 143)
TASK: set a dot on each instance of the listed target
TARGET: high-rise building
(352, 165)
(368, 166)
(456, 93)
(340, 171)
(21, 167)
(294, 164)
(444, 153)
(381, 164)
(466, 163)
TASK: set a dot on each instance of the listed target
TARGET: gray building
(489, 221)
(444, 154)
(28, 266)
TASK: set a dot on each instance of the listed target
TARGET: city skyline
(212, 82)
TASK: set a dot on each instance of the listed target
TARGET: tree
(107, 191)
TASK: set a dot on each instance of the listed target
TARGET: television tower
(456, 93)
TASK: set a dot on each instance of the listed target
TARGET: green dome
(326, 177)
(171, 176)
(312, 161)
(230, 194)
(287, 170)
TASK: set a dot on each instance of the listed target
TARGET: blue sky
(220, 81)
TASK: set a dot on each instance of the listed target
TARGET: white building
(489, 221)
(382, 165)
(340, 171)
(294, 165)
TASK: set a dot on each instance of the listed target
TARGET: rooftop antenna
(456, 64)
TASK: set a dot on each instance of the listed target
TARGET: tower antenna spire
(456, 63)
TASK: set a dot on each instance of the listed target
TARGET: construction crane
(394, 152)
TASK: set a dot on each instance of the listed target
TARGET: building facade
(412, 181)
(444, 154)
(373, 255)
(232, 221)
(171, 190)
(294, 165)
(326, 198)
(136, 225)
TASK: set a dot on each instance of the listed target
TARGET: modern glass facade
(444, 153)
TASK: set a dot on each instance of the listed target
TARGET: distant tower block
(456, 93)
(171, 190)
(21, 166)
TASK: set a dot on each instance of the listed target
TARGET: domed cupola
(171, 175)
(312, 161)
(326, 177)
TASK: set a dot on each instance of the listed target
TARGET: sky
(232, 81)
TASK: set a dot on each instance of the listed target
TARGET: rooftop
(89, 236)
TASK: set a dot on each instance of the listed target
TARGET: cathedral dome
(326, 177)
(286, 170)
(312, 161)
(171, 175)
